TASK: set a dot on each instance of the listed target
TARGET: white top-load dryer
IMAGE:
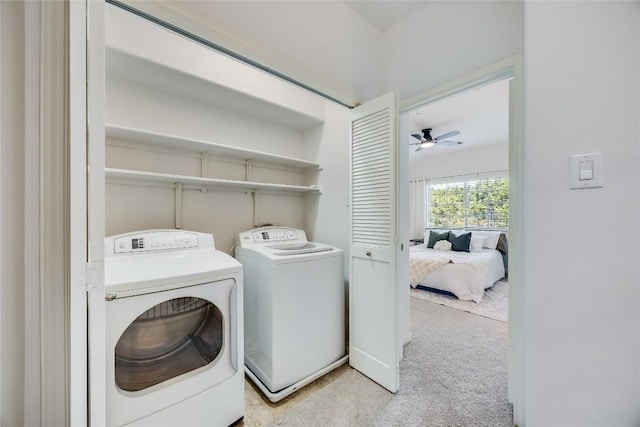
(294, 305)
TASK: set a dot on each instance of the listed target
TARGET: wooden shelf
(124, 176)
(200, 146)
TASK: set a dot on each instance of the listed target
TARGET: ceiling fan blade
(415, 143)
(447, 135)
(449, 143)
(417, 136)
(419, 148)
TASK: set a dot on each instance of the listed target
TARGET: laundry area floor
(259, 411)
(453, 373)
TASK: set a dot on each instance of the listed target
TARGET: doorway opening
(459, 184)
(431, 114)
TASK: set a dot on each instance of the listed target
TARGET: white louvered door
(374, 325)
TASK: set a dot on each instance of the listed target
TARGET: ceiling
(481, 116)
(384, 14)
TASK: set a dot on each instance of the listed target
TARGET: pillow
(433, 230)
(490, 238)
(435, 236)
(460, 243)
(442, 245)
(476, 243)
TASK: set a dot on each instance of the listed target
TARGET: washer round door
(164, 347)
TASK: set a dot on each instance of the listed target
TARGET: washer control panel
(274, 235)
(154, 241)
(270, 234)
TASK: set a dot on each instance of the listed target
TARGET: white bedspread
(465, 274)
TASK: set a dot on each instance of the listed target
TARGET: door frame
(509, 68)
(95, 119)
(85, 391)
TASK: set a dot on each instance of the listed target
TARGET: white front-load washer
(174, 331)
(294, 302)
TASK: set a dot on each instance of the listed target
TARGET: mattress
(464, 274)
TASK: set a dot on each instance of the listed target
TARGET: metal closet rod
(465, 175)
(223, 50)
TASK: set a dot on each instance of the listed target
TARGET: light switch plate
(594, 161)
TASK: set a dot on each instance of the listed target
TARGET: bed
(464, 274)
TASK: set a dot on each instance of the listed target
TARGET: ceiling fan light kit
(427, 141)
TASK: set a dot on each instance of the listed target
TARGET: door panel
(374, 341)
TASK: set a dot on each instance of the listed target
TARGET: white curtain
(416, 209)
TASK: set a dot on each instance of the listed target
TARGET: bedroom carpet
(494, 304)
(454, 373)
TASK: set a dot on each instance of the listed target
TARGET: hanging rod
(466, 175)
(223, 50)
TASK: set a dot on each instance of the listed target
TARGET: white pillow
(442, 245)
(476, 243)
(490, 238)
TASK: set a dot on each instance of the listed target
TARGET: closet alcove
(197, 140)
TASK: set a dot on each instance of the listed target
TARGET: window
(482, 203)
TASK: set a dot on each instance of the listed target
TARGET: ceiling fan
(426, 140)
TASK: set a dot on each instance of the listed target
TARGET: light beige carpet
(454, 373)
(494, 304)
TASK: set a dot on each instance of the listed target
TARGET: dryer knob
(110, 296)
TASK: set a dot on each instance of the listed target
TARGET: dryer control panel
(157, 240)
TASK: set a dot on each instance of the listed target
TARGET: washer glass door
(168, 340)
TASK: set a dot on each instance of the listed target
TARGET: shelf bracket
(204, 162)
(248, 166)
(179, 204)
(255, 207)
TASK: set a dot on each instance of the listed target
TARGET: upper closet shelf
(125, 176)
(200, 146)
(141, 51)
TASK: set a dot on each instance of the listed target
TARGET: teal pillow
(460, 243)
(434, 237)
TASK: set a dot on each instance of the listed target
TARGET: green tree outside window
(482, 203)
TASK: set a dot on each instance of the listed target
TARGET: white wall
(328, 214)
(447, 39)
(580, 247)
(450, 162)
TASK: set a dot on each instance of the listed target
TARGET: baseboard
(407, 338)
